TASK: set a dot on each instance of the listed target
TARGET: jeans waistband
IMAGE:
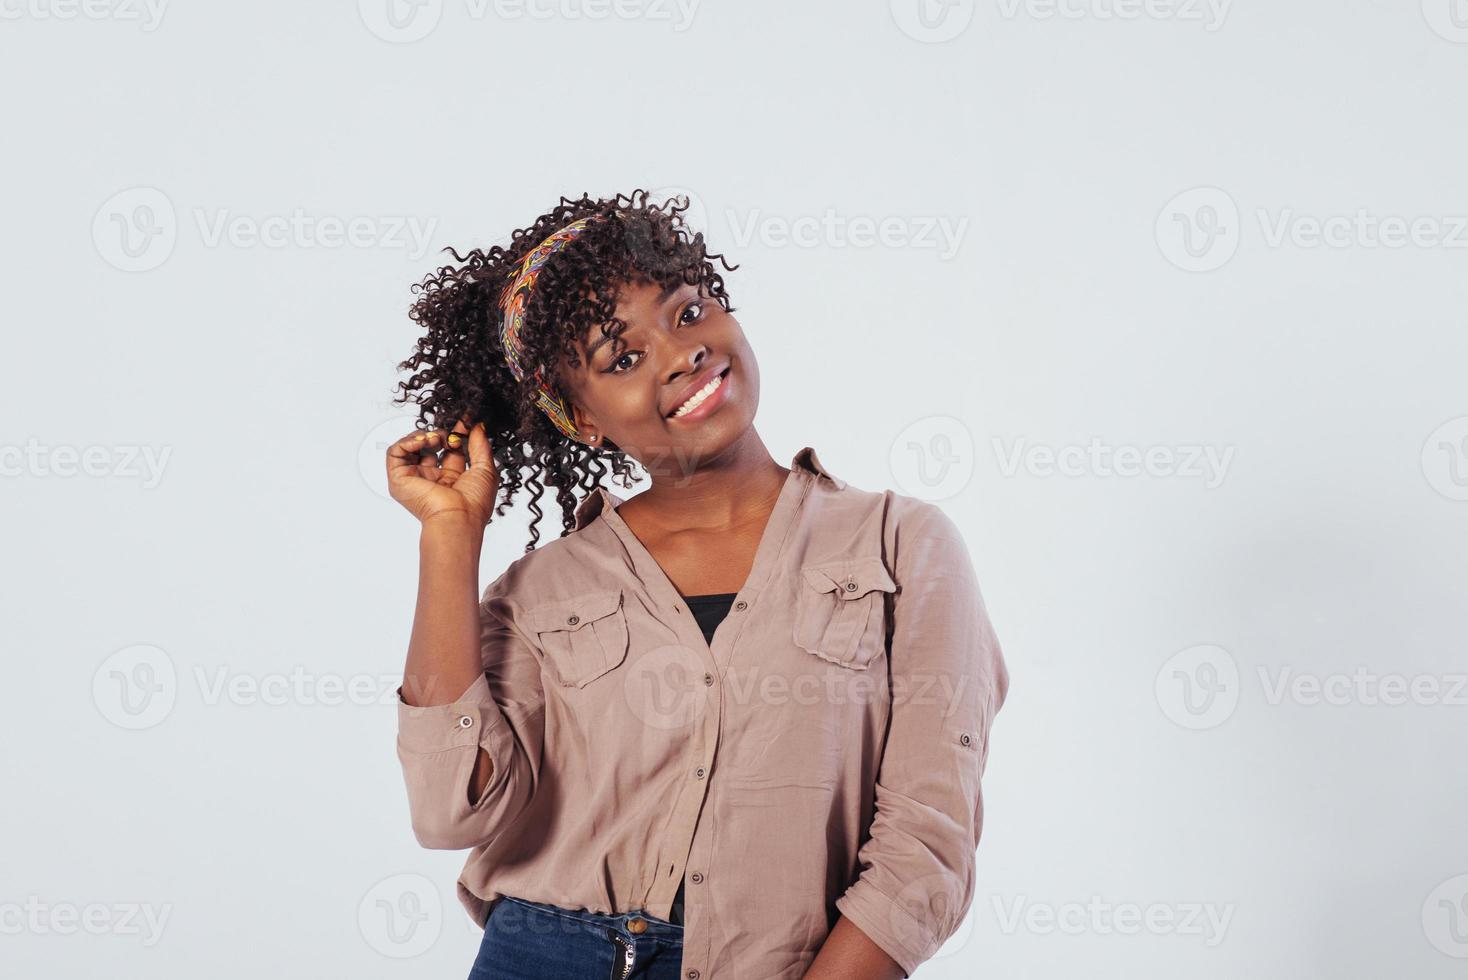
(633, 925)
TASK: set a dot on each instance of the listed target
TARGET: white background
(1137, 193)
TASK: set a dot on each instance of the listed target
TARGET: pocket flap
(850, 578)
(572, 614)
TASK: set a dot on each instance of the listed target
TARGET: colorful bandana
(513, 301)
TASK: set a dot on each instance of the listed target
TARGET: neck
(724, 491)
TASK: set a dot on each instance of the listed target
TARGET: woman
(731, 727)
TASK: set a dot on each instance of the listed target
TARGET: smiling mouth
(702, 394)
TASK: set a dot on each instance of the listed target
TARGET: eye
(696, 308)
(613, 369)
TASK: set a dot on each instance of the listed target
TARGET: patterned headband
(513, 301)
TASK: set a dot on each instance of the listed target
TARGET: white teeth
(698, 396)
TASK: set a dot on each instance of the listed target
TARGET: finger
(406, 452)
(455, 455)
(428, 461)
(480, 452)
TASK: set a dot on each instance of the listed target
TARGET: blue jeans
(532, 941)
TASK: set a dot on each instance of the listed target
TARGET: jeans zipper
(626, 955)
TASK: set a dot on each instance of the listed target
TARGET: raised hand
(429, 474)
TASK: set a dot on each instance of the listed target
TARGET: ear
(586, 427)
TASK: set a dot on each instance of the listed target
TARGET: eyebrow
(596, 345)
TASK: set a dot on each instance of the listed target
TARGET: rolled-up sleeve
(948, 679)
(502, 712)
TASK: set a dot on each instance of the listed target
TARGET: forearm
(443, 650)
(848, 954)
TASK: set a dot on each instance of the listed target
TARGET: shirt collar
(805, 460)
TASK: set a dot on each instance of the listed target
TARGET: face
(677, 386)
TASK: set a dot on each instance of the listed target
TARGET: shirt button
(465, 721)
(692, 975)
(572, 620)
(637, 925)
(850, 586)
(696, 877)
(708, 680)
(699, 772)
(965, 738)
(741, 605)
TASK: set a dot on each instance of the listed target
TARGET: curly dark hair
(459, 366)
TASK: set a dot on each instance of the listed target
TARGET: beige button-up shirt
(821, 757)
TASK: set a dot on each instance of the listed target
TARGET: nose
(687, 362)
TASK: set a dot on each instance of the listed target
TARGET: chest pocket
(840, 610)
(583, 637)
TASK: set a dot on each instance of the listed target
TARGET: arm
(470, 762)
(848, 953)
(948, 680)
(470, 708)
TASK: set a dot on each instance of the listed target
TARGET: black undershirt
(709, 610)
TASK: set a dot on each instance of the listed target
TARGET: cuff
(472, 719)
(888, 923)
